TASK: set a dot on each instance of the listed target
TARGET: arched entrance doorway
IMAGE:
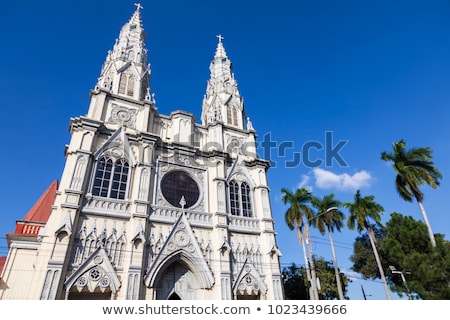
(177, 282)
(74, 294)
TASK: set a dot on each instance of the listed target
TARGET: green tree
(361, 210)
(329, 218)
(363, 258)
(326, 274)
(404, 244)
(295, 283)
(414, 168)
(426, 269)
(295, 215)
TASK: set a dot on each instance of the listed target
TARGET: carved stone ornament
(181, 238)
(234, 144)
(123, 116)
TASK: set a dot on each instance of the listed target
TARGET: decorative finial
(182, 202)
(219, 36)
(138, 6)
(249, 124)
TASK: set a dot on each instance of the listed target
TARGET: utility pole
(364, 293)
(315, 291)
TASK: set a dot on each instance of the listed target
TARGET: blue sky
(367, 72)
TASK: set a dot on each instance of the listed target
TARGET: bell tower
(222, 101)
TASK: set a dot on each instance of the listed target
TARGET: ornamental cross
(138, 6)
(219, 36)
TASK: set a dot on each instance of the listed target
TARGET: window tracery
(111, 178)
(240, 199)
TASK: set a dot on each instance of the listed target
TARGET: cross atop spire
(138, 6)
(220, 50)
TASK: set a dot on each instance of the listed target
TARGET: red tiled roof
(2, 264)
(38, 215)
(41, 210)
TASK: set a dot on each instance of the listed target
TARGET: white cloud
(352, 275)
(343, 182)
(304, 183)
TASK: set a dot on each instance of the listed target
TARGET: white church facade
(151, 206)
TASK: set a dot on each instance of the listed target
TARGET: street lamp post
(394, 270)
(312, 265)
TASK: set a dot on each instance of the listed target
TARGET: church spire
(222, 101)
(126, 70)
(220, 50)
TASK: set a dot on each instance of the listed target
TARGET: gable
(240, 172)
(117, 146)
(248, 281)
(96, 271)
(181, 245)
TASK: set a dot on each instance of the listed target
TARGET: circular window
(176, 184)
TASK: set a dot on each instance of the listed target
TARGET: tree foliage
(403, 244)
(363, 258)
(296, 282)
(326, 219)
(328, 286)
(299, 209)
(414, 168)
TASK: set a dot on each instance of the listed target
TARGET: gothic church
(151, 206)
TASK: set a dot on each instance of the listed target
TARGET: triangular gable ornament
(248, 281)
(117, 146)
(96, 271)
(181, 245)
(239, 170)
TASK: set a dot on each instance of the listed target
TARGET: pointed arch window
(229, 120)
(111, 178)
(123, 83)
(235, 116)
(234, 198)
(130, 86)
(245, 198)
(126, 85)
(232, 116)
(240, 199)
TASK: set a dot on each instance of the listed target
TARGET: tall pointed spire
(126, 70)
(222, 101)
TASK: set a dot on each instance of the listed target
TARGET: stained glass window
(176, 184)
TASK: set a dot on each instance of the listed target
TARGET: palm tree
(294, 216)
(414, 168)
(361, 209)
(329, 218)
